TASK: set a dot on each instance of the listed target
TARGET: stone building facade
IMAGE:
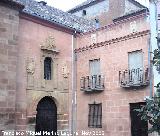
(47, 58)
(36, 62)
(9, 23)
(34, 51)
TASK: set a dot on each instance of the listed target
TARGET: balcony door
(94, 69)
(135, 66)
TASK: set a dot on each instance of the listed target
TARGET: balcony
(134, 77)
(93, 83)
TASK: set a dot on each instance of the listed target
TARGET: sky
(68, 4)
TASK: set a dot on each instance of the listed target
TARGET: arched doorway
(46, 118)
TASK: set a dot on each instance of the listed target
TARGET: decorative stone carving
(65, 71)
(30, 67)
(49, 45)
(93, 38)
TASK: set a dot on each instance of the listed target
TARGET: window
(135, 59)
(94, 67)
(84, 12)
(95, 116)
(47, 68)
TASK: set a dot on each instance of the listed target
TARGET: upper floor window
(95, 115)
(94, 67)
(94, 81)
(135, 59)
(84, 13)
(48, 68)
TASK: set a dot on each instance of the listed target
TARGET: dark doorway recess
(138, 127)
(46, 118)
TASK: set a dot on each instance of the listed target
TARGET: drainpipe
(150, 65)
(153, 40)
(74, 86)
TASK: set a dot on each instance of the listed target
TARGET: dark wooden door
(138, 127)
(46, 119)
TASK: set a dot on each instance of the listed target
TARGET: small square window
(95, 116)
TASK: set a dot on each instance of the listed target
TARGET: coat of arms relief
(49, 44)
(30, 67)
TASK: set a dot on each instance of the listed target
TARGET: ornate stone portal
(56, 87)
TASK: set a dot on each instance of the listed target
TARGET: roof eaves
(137, 3)
(145, 10)
(13, 4)
(52, 22)
(56, 16)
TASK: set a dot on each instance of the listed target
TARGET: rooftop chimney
(42, 3)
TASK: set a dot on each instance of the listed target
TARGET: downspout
(150, 69)
(74, 85)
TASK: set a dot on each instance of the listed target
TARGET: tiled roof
(57, 16)
(89, 2)
(12, 4)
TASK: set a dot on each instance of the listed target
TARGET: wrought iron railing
(92, 83)
(134, 77)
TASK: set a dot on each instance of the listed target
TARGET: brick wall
(9, 21)
(113, 45)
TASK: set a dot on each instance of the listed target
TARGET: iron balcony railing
(134, 77)
(92, 83)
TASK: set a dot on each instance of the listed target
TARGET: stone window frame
(54, 75)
